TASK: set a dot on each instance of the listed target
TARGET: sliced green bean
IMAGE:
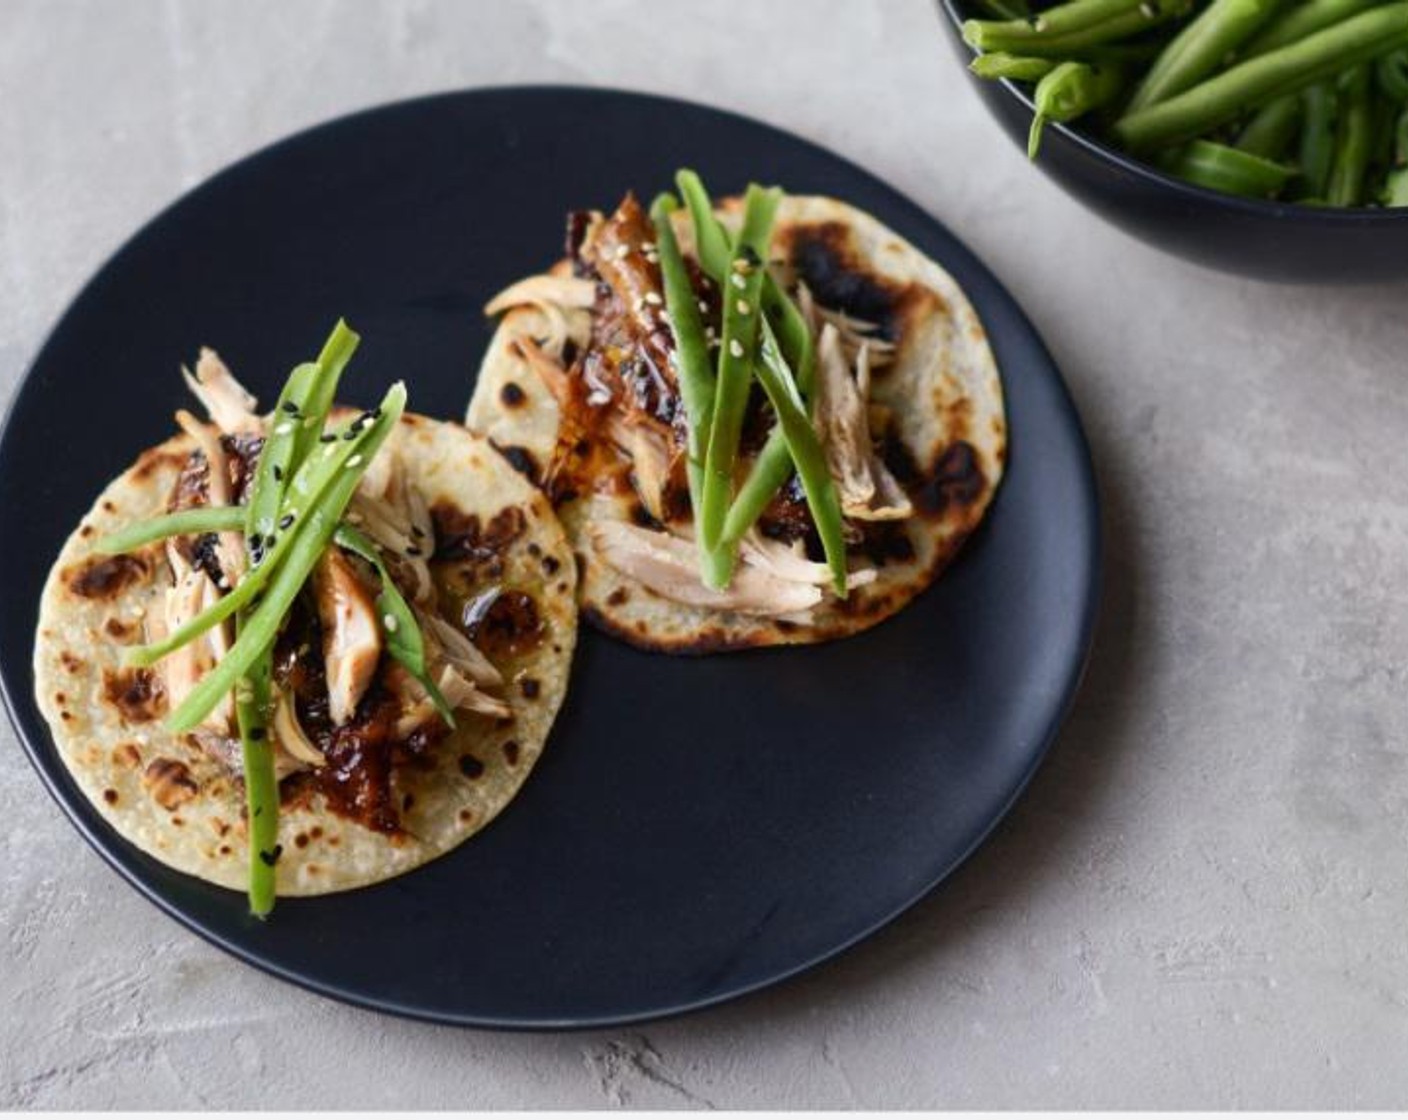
(303, 543)
(1231, 170)
(1270, 133)
(253, 694)
(294, 429)
(1391, 76)
(1071, 90)
(1252, 84)
(1200, 48)
(806, 452)
(1070, 28)
(1304, 17)
(1317, 139)
(715, 248)
(400, 629)
(1395, 189)
(201, 519)
(1000, 64)
(1353, 139)
(691, 352)
(742, 303)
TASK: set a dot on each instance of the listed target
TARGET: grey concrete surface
(1200, 902)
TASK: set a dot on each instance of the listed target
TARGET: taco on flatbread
(770, 422)
(305, 651)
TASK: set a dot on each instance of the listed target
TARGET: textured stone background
(1200, 902)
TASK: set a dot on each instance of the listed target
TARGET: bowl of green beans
(1263, 137)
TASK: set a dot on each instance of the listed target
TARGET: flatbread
(168, 796)
(942, 386)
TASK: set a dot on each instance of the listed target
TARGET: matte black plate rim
(73, 804)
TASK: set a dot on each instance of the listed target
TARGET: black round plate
(697, 828)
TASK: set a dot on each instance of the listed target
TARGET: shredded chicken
(771, 580)
(289, 733)
(854, 333)
(192, 591)
(228, 403)
(392, 512)
(867, 489)
(229, 546)
(351, 636)
(564, 303)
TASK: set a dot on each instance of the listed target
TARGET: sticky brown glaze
(360, 753)
(106, 577)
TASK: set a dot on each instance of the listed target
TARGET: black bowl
(1267, 240)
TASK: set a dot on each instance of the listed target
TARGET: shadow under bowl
(1274, 241)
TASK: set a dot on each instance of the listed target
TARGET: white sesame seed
(738, 281)
(389, 621)
(648, 246)
(283, 429)
(653, 298)
(354, 461)
(622, 251)
(735, 348)
(741, 266)
(704, 306)
(744, 307)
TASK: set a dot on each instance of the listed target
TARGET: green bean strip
(711, 240)
(1391, 74)
(1395, 190)
(691, 352)
(304, 543)
(253, 695)
(1200, 48)
(1352, 141)
(1305, 18)
(202, 519)
(1317, 139)
(773, 466)
(1071, 90)
(294, 428)
(399, 626)
(1252, 84)
(1070, 28)
(742, 301)
(714, 248)
(1230, 170)
(806, 451)
(1016, 68)
(1270, 132)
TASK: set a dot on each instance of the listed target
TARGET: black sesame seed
(290, 408)
(258, 734)
(327, 437)
(278, 473)
(285, 521)
(352, 433)
(271, 858)
(256, 541)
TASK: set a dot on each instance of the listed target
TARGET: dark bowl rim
(1293, 211)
